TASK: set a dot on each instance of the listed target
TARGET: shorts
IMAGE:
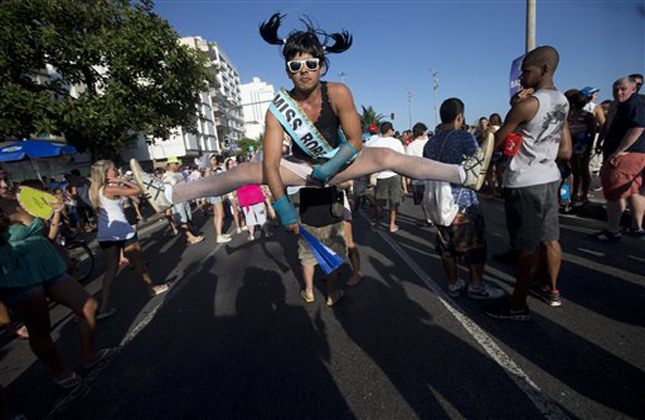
(624, 178)
(255, 214)
(465, 238)
(532, 215)
(418, 190)
(122, 244)
(14, 295)
(214, 200)
(332, 236)
(297, 166)
(182, 212)
(390, 191)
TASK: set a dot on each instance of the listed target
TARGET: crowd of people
(546, 141)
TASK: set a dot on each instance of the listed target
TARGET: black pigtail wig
(342, 41)
(269, 30)
(307, 41)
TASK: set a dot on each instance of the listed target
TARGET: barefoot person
(115, 233)
(313, 114)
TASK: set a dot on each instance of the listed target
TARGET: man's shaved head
(542, 56)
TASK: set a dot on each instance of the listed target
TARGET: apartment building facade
(256, 98)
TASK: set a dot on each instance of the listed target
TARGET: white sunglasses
(312, 64)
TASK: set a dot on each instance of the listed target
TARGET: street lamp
(435, 87)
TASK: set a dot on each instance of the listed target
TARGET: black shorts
(532, 215)
(418, 190)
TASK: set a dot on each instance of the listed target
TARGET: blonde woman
(115, 233)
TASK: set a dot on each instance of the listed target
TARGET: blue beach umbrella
(34, 149)
(327, 259)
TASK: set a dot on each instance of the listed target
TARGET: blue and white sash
(300, 128)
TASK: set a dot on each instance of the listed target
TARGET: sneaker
(222, 239)
(238, 230)
(485, 292)
(551, 297)
(476, 165)
(505, 310)
(455, 289)
(251, 238)
(607, 236)
(153, 189)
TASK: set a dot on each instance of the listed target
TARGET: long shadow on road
(266, 360)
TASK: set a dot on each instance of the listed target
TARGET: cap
(588, 90)
(172, 160)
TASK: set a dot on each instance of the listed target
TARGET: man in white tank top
(531, 181)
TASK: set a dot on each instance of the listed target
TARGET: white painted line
(543, 402)
(591, 264)
(636, 258)
(590, 252)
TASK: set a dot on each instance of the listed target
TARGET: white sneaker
(222, 239)
(153, 189)
(251, 238)
(476, 165)
(238, 230)
(486, 292)
(454, 290)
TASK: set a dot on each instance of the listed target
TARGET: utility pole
(530, 24)
(409, 108)
(435, 87)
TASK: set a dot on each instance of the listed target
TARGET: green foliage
(130, 75)
(244, 145)
(370, 117)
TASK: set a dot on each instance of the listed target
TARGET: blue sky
(396, 43)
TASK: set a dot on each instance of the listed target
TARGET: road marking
(594, 253)
(636, 258)
(542, 401)
(591, 264)
(88, 381)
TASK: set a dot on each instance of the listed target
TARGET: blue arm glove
(328, 169)
(288, 215)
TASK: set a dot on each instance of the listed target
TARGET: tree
(130, 75)
(245, 145)
(370, 117)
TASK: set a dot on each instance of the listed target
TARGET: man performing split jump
(322, 121)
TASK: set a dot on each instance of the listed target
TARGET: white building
(226, 98)
(183, 143)
(256, 98)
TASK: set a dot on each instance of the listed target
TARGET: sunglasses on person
(312, 64)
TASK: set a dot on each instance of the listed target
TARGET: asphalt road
(234, 339)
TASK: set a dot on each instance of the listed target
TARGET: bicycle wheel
(82, 260)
